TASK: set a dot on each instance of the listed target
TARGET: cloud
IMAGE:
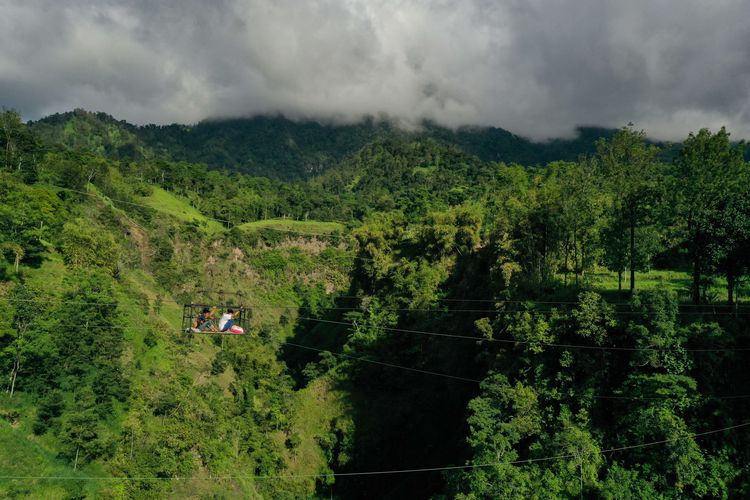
(537, 68)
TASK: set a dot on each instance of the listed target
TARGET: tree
(501, 418)
(29, 216)
(582, 469)
(17, 251)
(19, 146)
(653, 327)
(86, 246)
(593, 317)
(615, 244)
(728, 236)
(80, 429)
(632, 171)
(85, 347)
(24, 301)
(706, 171)
(73, 169)
(582, 207)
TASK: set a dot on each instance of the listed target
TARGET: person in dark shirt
(204, 320)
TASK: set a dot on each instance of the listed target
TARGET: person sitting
(204, 321)
(226, 323)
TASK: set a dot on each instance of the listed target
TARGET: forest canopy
(564, 321)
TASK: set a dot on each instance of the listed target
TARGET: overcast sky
(535, 67)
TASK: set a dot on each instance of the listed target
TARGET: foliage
(395, 272)
(86, 246)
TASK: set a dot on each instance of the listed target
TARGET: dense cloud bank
(535, 67)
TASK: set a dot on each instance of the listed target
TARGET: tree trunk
(75, 464)
(17, 262)
(575, 255)
(730, 286)
(583, 259)
(696, 279)
(632, 249)
(619, 281)
(565, 268)
(545, 266)
(13, 376)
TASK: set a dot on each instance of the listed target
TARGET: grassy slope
(170, 204)
(25, 455)
(250, 269)
(33, 459)
(315, 407)
(167, 203)
(306, 226)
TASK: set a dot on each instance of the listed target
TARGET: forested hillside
(429, 318)
(283, 149)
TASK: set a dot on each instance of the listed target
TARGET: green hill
(165, 202)
(420, 322)
(118, 390)
(284, 149)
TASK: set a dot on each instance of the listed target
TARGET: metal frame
(191, 311)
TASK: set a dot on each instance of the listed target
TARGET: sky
(538, 68)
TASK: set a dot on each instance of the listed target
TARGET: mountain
(276, 147)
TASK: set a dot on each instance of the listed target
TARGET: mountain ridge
(281, 148)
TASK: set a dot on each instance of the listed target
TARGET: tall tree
(24, 301)
(19, 146)
(728, 235)
(706, 172)
(582, 203)
(632, 171)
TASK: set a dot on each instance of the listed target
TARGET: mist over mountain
(537, 68)
(278, 147)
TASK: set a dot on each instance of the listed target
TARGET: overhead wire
(527, 342)
(595, 396)
(456, 336)
(504, 301)
(390, 365)
(519, 462)
(564, 313)
(381, 363)
(434, 310)
(344, 355)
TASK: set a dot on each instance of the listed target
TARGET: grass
(48, 276)
(135, 315)
(606, 280)
(423, 170)
(678, 281)
(24, 456)
(316, 406)
(290, 225)
(167, 203)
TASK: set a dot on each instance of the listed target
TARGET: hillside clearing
(313, 227)
(167, 203)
